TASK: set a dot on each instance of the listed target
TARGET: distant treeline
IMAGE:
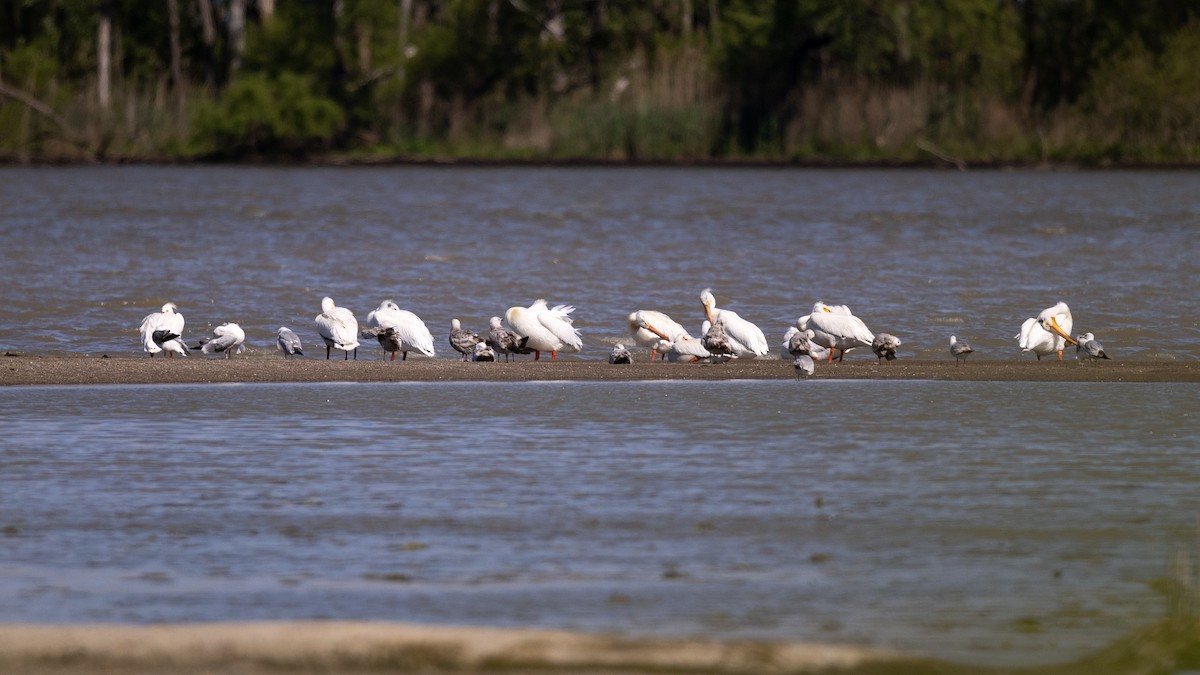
(886, 81)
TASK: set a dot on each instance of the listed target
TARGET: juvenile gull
(804, 366)
(619, 354)
(288, 342)
(338, 328)
(504, 341)
(959, 350)
(463, 341)
(161, 332)
(885, 345)
(483, 352)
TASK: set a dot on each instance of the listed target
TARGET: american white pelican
(288, 342)
(503, 340)
(338, 328)
(836, 328)
(885, 345)
(549, 329)
(619, 354)
(745, 339)
(1048, 333)
(959, 350)
(399, 330)
(1089, 348)
(162, 330)
(645, 337)
(227, 339)
(463, 341)
(483, 352)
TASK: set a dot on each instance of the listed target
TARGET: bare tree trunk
(104, 56)
(176, 60)
(209, 32)
(402, 31)
(266, 9)
(685, 19)
(237, 33)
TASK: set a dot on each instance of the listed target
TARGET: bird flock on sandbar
(824, 334)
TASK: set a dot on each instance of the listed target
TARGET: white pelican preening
(227, 339)
(745, 339)
(463, 341)
(646, 337)
(504, 341)
(161, 332)
(338, 328)
(959, 350)
(885, 345)
(1088, 348)
(288, 342)
(399, 330)
(1048, 333)
(836, 328)
(549, 329)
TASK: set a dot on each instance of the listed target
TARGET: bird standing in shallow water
(959, 350)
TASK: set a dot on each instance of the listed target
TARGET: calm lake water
(987, 522)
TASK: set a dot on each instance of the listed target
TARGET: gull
(1089, 348)
(619, 354)
(797, 342)
(745, 339)
(804, 366)
(504, 341)
(1048, 333)
(288, 342)
(463, 341)
(959, 350)
(884, 345)
(227, 339)
(161, 332)
(716, 339)
(338, 328)
(836, 328)
(549, 329)
(483, 352)
(645, 337)
(398, 330)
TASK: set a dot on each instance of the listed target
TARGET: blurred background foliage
(880, 81)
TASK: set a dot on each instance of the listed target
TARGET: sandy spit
(365, 647)
(33, 369)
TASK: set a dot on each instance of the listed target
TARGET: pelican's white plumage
(1048, 333)
(162, 330)
(405, 331)
(959, 350)
(836, 328)
(288, 342)
(676, 345)
(549, 329)
(745, 339)
(228, 338)
(338, 328)
(645, 337)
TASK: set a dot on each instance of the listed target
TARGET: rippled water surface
(991, 522)
(994, 522)
(921, 254)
